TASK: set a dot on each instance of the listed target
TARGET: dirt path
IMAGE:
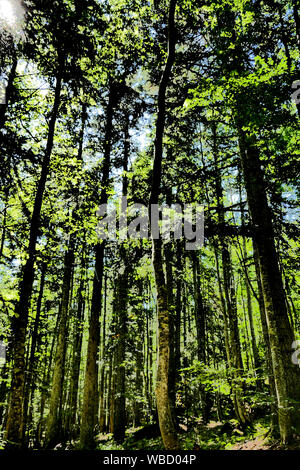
(263, 444)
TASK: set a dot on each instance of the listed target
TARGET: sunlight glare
(7, 11)
(11, 16)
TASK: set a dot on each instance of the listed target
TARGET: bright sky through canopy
(11, 16)
(7, 11)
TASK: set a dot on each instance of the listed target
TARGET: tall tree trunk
(90, 392)
(76, 356)
(172, 366)
(45, 385)
(274, 411)
(121, 317)
(14, 425)
(286, 375)
(256, 358)
(253, 345)
(166, 422)
(112, 389)
(178, 308)
(137, 409)
(31, 366)
(120, 314)
(199, 313)
(102, 411)
(230, 307)
(54, 421)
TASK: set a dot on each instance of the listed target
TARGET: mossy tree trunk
(166, 422)
(286, 375)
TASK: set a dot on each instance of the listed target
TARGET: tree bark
(286, 375)
(274, 411)
(166, 422)
(31, 366)
(230, 307)
(102, 411)
(14, 425)
(172, 366)
(120, 314)
(54, 421)
(90, 393)
(200, 321)
(76, 357)
(121, 297)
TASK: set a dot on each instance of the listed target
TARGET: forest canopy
(149, 342)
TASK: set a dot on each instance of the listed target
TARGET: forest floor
(196, 436)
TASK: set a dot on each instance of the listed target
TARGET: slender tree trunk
(76, 358)
(137, 410)
(90, 392)
(234, 338)
(199, 313)
(230, 310)
(109, 406)
(45, 386)
(199, 310)
(54, 421)
(103, 358)
(255, 353)
(119, 369)
(31, 366)
(112, 389)
(178, 308)
(171, 309)
(121, 318)
(256, 359)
